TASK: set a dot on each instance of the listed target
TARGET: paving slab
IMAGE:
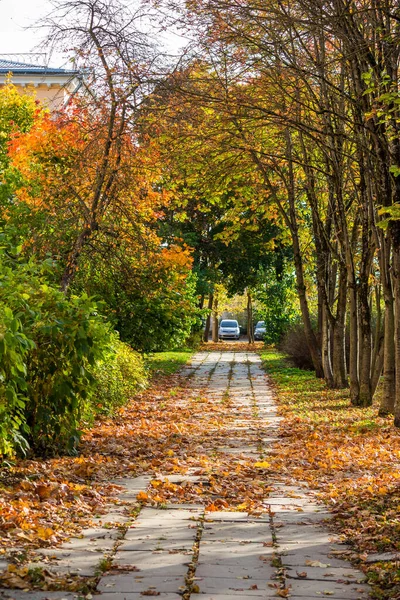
(301, 557)
(348, 574)
(151, 545)
(132, 483)
(30, 595)
(133, 582)
(152, 567)
(327, 549)
(304, 536)
(151, 525)
(318, 589)
(150, 571)
(165, 515)
(276, 502)
(259, 570)
(238, 587)
(235, 517)
(241, 532)
(282, 518)
(160, 533)
(79, 562)
(383, 557)
(155, 557)
(114, 517)
(227, 551)
(100, 544)
(134, 596)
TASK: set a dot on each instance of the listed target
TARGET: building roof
(19, 68)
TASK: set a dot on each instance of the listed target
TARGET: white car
(229, 330)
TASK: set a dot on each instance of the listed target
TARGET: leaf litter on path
(44, 502)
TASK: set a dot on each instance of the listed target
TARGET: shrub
(69, 338)
(118, 376)
(295, 345)
(14, 346)
(48, 345)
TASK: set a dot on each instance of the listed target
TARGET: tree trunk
(389, 377)
(353, 362)
(311, 338)
(208, 320)
(378, 366)
(395, 230)
(73, 259)
(250, 331)
(215, 321)
(339, 334)
(365, 346)
(326, 348)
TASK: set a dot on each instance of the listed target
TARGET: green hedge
(118, 376)
(59, 361)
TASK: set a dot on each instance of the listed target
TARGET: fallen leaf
(262, 465)
(316, 563)
(142, 497)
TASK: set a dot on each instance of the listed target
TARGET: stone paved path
(181, 551)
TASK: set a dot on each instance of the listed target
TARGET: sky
(16, 36)
(15, 17)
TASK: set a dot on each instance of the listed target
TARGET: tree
(103, 176)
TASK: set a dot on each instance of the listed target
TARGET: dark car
(259, 331)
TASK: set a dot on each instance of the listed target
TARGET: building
(54, 87)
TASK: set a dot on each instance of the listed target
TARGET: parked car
(229, 330)
(260, 330)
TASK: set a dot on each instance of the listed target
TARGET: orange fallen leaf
(142, 497)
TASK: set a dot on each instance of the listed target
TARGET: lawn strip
(167, 363)
(350, 456)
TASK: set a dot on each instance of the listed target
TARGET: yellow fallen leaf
(262, 465)
(44, 533)
(155, 483)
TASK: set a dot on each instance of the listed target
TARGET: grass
(167, 363)
(350, 456)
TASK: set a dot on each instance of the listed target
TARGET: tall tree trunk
(395, 231)
(250, 331)
(365, 345)
(353, 361)
(389, 377)
(208, 319)
(311, 338)
(378, 365)
(326, 348)
(339, 334)
(215, 321)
